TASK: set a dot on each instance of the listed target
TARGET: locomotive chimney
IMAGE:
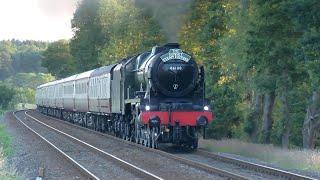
(158, 49)
(172, 45)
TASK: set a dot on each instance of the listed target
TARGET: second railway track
(249, 165)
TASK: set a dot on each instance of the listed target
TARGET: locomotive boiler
(154, 97)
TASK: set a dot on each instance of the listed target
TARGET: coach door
(116, 90)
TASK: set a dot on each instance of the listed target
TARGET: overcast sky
(47, 20)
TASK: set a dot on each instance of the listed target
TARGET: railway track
(250, 165)
(82, 169)
(271, 173)
(141, 173)
(203, 167)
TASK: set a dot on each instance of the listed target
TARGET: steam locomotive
(153, 97)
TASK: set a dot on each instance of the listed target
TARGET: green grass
(1, 112)
(7, 172)
(21, 106)
(308, 160)
(5, 141)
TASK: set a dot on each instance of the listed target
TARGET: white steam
(170, 14)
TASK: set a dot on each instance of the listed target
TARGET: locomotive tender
(154, 97)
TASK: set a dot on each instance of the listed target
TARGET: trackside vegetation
(20, 72)
(5, 142)
(302, 159)
(6, 151)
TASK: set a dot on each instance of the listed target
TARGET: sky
(45, 20)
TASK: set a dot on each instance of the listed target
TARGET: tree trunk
(285, 120)
(267, 116)
(254, 117)
(285, 109)
(311, 125)
(244, 4)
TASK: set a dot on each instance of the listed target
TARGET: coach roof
(83, 75)
(103, 70)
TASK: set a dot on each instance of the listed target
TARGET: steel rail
(241, 163)
(254, 166)
(198, 165)
(82, 169)
(132, 167)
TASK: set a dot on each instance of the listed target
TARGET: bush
(6, 95)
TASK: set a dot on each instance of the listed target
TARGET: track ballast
(267, 173)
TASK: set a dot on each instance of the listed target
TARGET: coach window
(95, 87)
(90, 89)
(77, 88)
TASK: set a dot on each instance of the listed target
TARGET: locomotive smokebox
(168, 70)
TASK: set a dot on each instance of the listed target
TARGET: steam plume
(57, 8)
(169, 14)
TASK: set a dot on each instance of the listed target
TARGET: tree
(107, 31)
(6, 52)
(23, 95)
(20, 56)
(271, 57)
(309, 56)
(88, 38)
(6, 95)
(58, 59)
(28, 56)
(27, 61)
(28, 80)
(130, 30)
(248, 104)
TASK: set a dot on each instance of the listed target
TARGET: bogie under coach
(154, 97)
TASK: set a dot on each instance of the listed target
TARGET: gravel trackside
(31, 153)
